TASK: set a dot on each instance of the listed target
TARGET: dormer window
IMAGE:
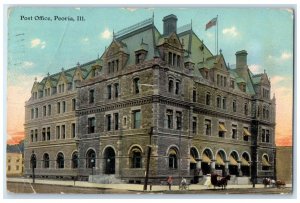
(136, 85)
(138, 58)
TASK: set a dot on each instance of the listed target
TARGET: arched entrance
(90, 158)
(220, 163)
(109, 159)
(193, 164)
(245, 164)
(207, 156)
(233, 163)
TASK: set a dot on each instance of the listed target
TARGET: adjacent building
(164, 91)
(14, 164)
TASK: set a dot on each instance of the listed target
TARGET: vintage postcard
(150, 100)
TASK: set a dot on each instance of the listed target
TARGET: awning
(222, 128)
(205, 159)
(232, 161)
(192, 160)
(244, 162)
(246, 132)
(265, 162)
(172, 151)
(219, 160)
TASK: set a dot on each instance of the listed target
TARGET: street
(25, 187)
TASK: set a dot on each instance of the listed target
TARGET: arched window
(46, 160)
(136, 158)
(208, 98)
(173, 163)
(90, 159)
(136, 85)
(265, 162)
(60, 160)
(75, 160)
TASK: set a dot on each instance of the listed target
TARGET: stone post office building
(164, 90)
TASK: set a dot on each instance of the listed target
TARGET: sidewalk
(131, 187)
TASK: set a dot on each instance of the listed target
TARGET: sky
(36, 47)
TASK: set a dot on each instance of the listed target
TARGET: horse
(269, 182)
(280, 184)
(219, 183)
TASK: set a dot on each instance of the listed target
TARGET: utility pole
(148, 159)
(33, 165)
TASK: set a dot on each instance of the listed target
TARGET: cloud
(230, 31)
(27, 64)
(255, 68)
(38, 43)
(106, 34)
(277, 79)
(286, 55)
(130, 9)
(209, 35)
(85, 40)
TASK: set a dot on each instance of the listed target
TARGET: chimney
(241, 59)
(170, 24)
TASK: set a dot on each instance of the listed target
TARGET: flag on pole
(211, 23)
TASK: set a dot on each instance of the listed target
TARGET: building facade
(14, 164)
(149, 90)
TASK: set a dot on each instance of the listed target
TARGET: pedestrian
(170, 182)
(208, 183)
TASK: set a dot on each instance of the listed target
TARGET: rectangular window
(64, 106)
(170, 118)
(194, 96)
(36, 135)
(108, 122)
(58, 107)
(267, 136)
(174, 60)
(73, 130)
(36, 112)
(91, 125)
(137, 119)
(234, 105)
(48, 133)
(207, 98)
(58, 132)
(91, 96)
(63, 132)
(219, 102)
(108, 91)
(246, 134)
(44, 134)
(31, 135)
(246, 108)
(116, 90)
(177, 87)
(44, 111)
(224, 102)
(32, 113)
(207, 127)
(222, 129)
(234, 132)
(218, 80)
(178, 61)
(170, 58)
(225, 81)
(116, 120)
(263, 135)
(232, 84)
(194, 125)
(178, 120)
(49, 110)
(73, 104)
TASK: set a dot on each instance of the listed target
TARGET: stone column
(239, 168)
(226, 168)
(213, 166)
(198, 167)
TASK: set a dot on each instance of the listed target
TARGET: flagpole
(217, 34)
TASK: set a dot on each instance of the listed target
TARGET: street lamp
(92, 163)
(148, 159)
